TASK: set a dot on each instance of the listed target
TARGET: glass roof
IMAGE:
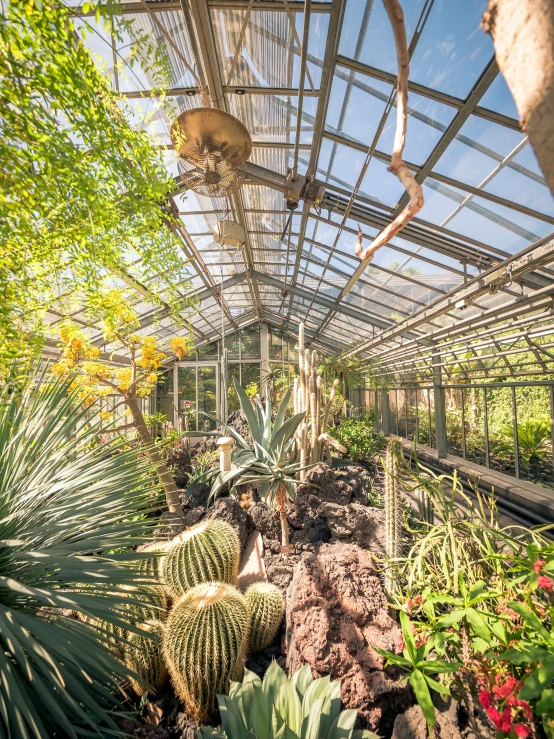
(485, 196)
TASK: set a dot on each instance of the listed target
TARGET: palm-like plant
(269, 464)
(533, 439)
(65, 504)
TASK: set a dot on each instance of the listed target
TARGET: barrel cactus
(209, 551)
(205, 644)
(152, 596)
(144, 656)
(267, 606)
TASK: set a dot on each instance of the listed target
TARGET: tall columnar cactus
(208, 551)
(144, 656)
(312, 439)
(267, 606)
(393, 506)
(205, 645)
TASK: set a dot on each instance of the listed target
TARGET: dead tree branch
(397, 165)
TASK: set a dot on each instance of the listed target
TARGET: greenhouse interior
(277, 369)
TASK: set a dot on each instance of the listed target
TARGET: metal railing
(503, 426)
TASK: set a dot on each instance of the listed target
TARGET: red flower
(485, 698)
(526, 708)
(522, 732)
(495, 716)
(545, 582)
(503, 691)
(538, 565)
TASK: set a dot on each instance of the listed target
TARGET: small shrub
(359, 438)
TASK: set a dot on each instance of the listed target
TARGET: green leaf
(530, 618)
(541, 678)
(546, 703)
(318, 689)
(231, 718)
(421, 691)
(311, 723)
(260, 717)
(288, 706)
(525, 654)
(477, 623)
(251, 418)
(274, 679)
(302, 679)
(342, 726)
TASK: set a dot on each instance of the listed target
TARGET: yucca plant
(270, 463)
(65, 504)
(295, 708)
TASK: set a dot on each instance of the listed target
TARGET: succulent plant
(153, 597)
(144, 656)
(297, 708)
(393, 507)
(209, 551)
(266, 605)
(205, 644)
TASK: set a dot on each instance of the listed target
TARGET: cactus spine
(154, 596)
(143, 655)
(393, 508)
(267, 606)
(208, 551)
(205, 643)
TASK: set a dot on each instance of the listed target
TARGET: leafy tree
(137, 380)
(83, 193)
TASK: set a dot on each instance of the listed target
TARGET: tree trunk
(282, 505)
(166, 479)
(523, 35)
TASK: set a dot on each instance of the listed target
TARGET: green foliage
(144, 656)
(82, 191)
(63, 498)
(270, 463)
(534, 441)
(210, 550)
(266, 605)
(416, 663)
(359, 438)
(295, 708)
(205, 643)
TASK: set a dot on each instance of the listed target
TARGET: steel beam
(517, 265)
(295, 6)
(199, 14)
(229, 90)
(427, 92)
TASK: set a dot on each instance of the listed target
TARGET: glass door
(197, 393)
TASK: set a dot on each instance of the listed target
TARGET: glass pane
(207, 397)
(250, 342)
(453, 402)
(232, 345)
(251, 377)
(187, 397)
(534, 435)
(275, 344)
(423, 430)
(474, 425)
(501, 430)
(401, 410)
(208, 351)
(165, 395)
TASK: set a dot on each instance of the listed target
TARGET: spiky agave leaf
(66, 506)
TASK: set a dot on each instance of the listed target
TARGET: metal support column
(385, 412)
(440, 409)
(264, 356)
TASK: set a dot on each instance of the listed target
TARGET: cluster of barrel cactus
(205, 626)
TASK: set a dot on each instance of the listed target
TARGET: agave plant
(280, 708)
(270, 463)
(65, 504)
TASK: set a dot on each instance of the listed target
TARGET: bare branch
(397, 165)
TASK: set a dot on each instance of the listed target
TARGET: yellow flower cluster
(74, 347)
(123, 378)
(179, 346)
(150, 358)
